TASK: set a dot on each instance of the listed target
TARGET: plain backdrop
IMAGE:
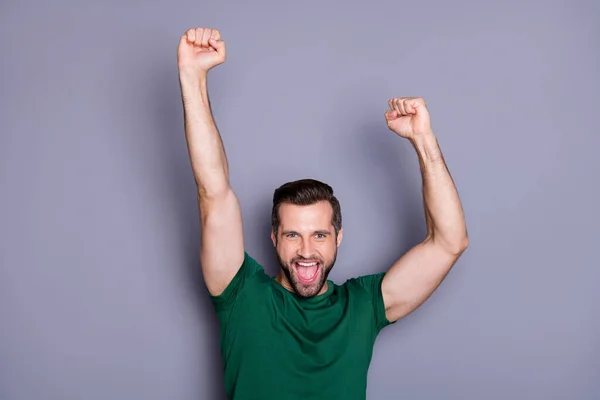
(101, 295)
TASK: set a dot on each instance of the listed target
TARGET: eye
(290, 235)
(321, 235)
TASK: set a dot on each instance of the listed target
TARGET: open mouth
(307, 271)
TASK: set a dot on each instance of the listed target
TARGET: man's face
(306, 246)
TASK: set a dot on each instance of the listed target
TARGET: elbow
(463, 244)
(215, 189)
(459, 246)
(455, 246)
(208, 200)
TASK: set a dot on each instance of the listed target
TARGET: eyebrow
(320, 231)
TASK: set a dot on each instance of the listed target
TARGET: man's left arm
(418, 273)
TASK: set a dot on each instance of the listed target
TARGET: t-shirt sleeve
(371, 287)
(247, 271)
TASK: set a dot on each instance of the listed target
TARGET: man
(299, 335)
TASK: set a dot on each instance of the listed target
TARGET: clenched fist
(408, 117)
(199, 50)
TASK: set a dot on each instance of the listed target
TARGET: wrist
(192, 78)
(193, 86)
(427, 147)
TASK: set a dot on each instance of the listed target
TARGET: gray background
(100, 292)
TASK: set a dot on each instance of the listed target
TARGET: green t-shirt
(276, 345)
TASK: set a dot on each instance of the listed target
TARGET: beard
(307, 290)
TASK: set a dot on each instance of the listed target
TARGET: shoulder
(365, 284)
(366, 291)
(250, 274)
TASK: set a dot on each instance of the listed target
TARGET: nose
(306, 248)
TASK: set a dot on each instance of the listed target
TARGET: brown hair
(305, 192)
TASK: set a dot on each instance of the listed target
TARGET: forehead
(313, 216)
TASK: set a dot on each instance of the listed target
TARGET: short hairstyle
(305, 192)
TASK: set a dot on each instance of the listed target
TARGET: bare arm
(416, 275)
(222, 247)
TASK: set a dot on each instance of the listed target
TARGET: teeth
(307, 264)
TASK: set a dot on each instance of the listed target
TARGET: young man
(299, 335)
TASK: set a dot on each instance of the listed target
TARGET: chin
(308, 287)
(308, 291)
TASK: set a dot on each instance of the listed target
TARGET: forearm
(443, 209)
(205, 146)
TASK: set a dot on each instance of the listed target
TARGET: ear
(340, 236)
(273, 239)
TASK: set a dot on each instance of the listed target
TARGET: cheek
(326, 249)
(332, 248)
(285, 249)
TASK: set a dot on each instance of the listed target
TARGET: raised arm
(222, 247)
(414, 277)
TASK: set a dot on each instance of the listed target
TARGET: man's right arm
(222, 246)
